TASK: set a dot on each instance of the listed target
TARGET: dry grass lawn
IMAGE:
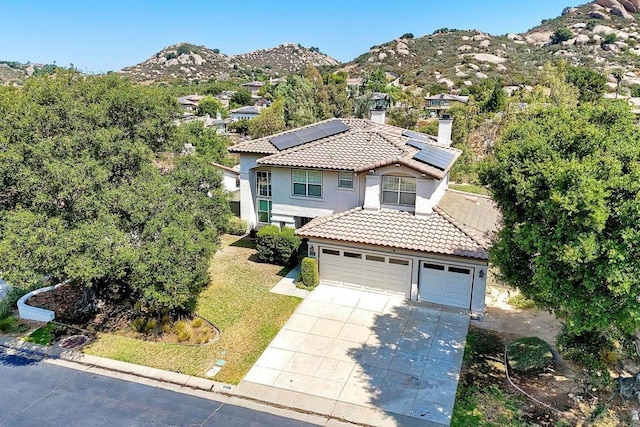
(237, 301)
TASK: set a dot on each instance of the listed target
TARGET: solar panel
(435, 156)
(417, 136)
(309, 134)
(288, 140)
(416, 144)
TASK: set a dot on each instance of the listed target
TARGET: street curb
(118, 366)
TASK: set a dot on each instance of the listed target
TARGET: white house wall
(286, 206)
(248, 188)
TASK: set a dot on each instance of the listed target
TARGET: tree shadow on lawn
(244, 242)
(409, 366)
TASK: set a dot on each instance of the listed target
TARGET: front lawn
(237, 301)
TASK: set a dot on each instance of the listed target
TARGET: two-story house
(366, 195)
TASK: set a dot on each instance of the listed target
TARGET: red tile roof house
(366, 196)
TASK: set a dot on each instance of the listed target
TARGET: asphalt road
(35, 393)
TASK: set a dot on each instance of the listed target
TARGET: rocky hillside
(182, 60)
(15, 73)
(188, 61)
(602, 34)
(286, 58)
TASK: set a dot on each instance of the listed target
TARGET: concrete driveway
(365, 357)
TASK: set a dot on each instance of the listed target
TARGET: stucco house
(244, 113)
(366, 196)
(440, 104)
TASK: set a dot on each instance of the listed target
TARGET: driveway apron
(370, 350)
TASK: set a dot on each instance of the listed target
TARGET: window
(352, 255)
(375, 258)
(264, 211)
(263, 183)
(330, 252)
(398, 190)
(307, 183)
(398, 261)
(345, 180)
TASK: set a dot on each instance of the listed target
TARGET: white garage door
(363, 270)
(445, 284)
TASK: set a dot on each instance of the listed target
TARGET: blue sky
(99, 36)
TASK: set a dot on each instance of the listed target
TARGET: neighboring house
(190, 103)
(244, 113)
(225, 97)
(366, 196)
(218, 122)
(437, 105)
(231, 183)
(253, 87)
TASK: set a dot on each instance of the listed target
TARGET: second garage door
(364, 270)
(445, 284)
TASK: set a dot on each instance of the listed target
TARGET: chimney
(444, 129)
(379, 115)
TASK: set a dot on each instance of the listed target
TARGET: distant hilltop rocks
(188, 61)
(621, 8)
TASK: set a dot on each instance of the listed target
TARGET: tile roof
(396, 229)
(477, 215)
(365, 146)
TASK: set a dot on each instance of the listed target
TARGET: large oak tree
(567, 181)
(93, 190)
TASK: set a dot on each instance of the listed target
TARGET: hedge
(277, 246)
(309, 272)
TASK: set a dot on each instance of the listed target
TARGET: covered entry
(445, 284)
(364, 270)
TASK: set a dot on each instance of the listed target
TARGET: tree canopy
(93, 190)
(567, 180)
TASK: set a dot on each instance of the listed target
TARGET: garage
(445, 284)
(365, 270)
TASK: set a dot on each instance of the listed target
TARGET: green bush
(277, 246)
(237, 226)
(529, 355)
(610, 38)
(10, 300)
(309, 273)
(562, 34)
(588, 351)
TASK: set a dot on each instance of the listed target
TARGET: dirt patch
(560, 388)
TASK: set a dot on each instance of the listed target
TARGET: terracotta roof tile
(396, 229)
(365, 146)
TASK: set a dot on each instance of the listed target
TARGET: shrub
(407, 36)
(197, 322)
(610, 38)
(529, 355)
(287, 245)
(151, 325)
(183, 331)
(277, 246)
(309, 272)
(521, 302)
(10, 300)
(138, 324)
(562, 34)
(237, 226)
(11, 324)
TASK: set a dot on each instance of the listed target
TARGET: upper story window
(263, 183)
(306, 182)
(345, 180)
(398, 190)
